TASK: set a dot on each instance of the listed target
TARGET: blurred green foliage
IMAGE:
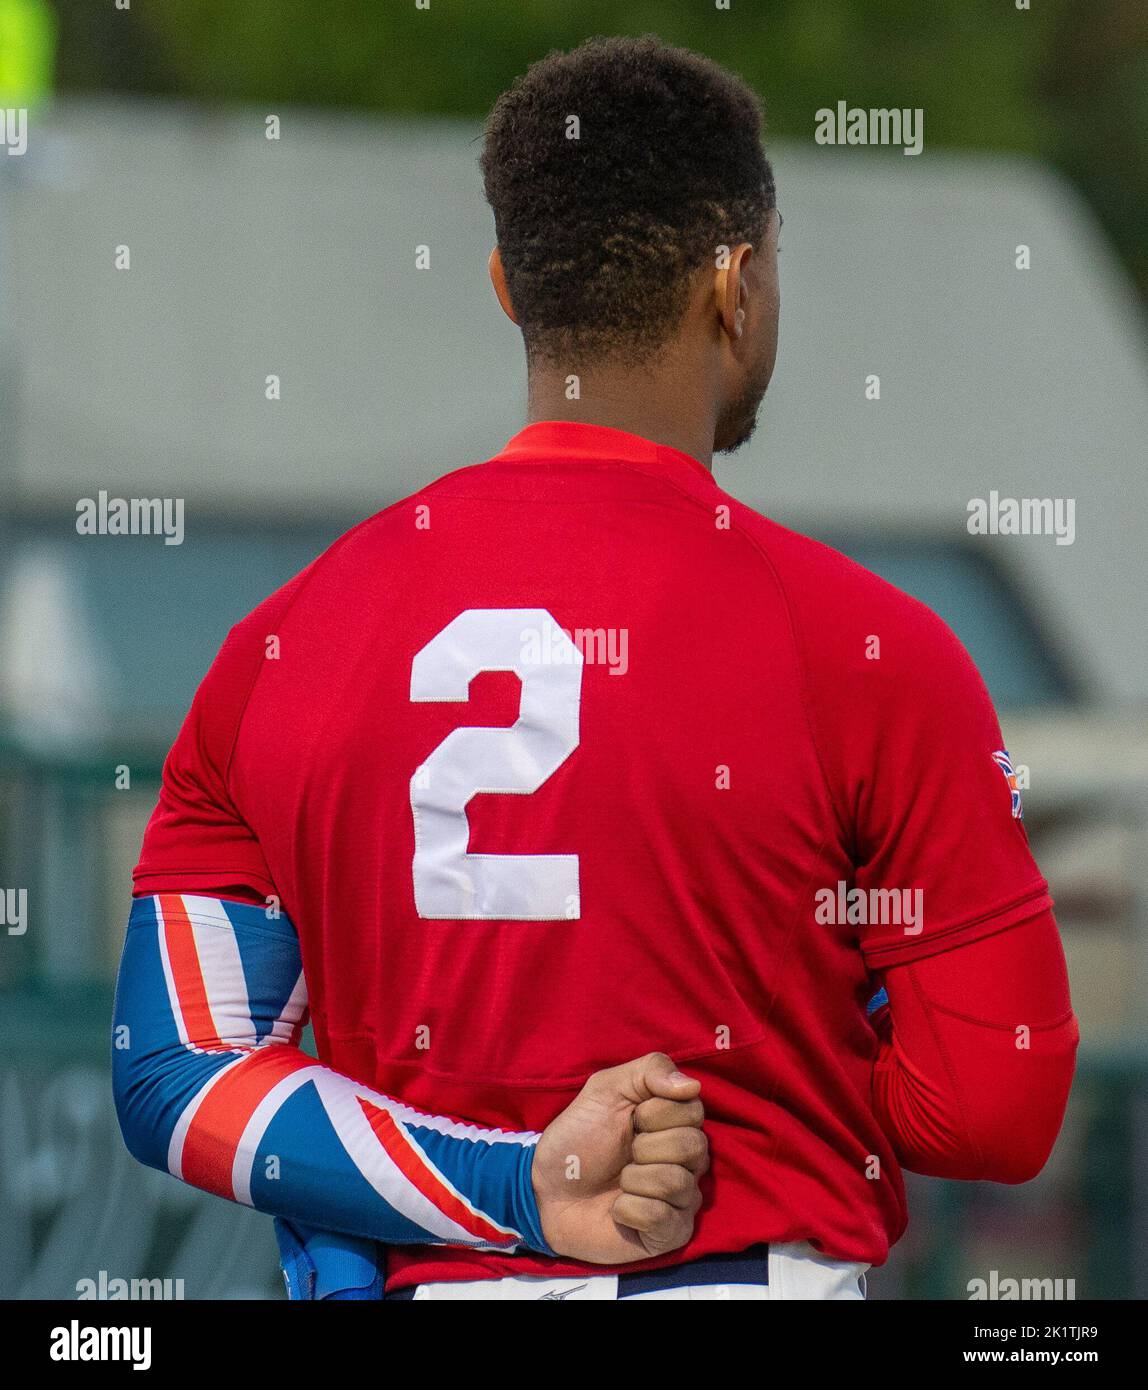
(1066, 80)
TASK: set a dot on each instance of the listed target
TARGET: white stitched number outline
(450, 882)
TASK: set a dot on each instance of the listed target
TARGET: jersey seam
(1050, 1027)
(243, 874)
(314, 568)
(795, 639)
(888, 945)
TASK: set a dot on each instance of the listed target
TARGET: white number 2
(450, 882)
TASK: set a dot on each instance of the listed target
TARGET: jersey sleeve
(196, 840)
(211, 1085)
(976, 1056)
(926, 793)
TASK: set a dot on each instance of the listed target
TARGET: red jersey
(570, 757)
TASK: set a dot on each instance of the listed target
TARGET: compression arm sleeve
(211, 1085)
(977, 1054)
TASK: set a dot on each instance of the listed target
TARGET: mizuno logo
(556, 1295)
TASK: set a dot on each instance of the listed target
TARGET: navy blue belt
(746, 1267)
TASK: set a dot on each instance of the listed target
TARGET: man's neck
(667, 409)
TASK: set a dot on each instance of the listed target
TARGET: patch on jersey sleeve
(1004, 762)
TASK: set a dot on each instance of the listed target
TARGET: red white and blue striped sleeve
(211, 1085)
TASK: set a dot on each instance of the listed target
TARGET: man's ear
(730, 289)
(498, 280)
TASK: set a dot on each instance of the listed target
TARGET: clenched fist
(616, 1174)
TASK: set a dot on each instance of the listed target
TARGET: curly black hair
(600, 233)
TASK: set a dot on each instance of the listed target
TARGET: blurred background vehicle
(344, 257)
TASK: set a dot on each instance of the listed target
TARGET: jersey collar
(566, 440)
